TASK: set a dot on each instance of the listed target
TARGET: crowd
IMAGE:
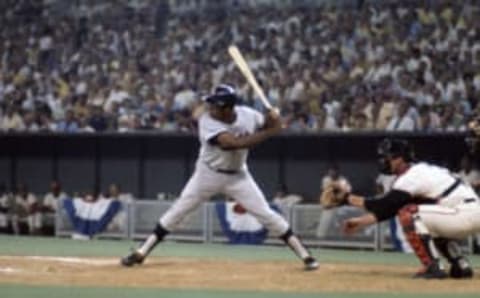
(391, 65)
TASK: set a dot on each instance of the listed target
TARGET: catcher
(435, 208)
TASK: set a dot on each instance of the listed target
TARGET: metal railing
(315, 226)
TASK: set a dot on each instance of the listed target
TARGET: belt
(222, 171)
(228, 172)
(451, 188)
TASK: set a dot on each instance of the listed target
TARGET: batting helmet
(223, 96)
(393, 148)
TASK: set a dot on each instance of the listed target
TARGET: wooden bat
(247, 73)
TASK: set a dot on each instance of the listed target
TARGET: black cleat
(132, 259)
(461, 269)
(310, 263)
(433, 271)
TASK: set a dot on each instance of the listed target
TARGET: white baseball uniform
(226, 172)
(455, 215)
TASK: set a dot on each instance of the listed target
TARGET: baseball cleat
(132, 259)
(433, 271)
(461, 269)
(310, 263)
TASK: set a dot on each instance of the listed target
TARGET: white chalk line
(68, 260)
(9, 270)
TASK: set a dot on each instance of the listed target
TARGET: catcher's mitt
(333, 196)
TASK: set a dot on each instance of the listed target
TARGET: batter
(226, 132)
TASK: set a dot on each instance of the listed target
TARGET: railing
(315, 226)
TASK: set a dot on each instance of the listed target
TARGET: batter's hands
(273, 120)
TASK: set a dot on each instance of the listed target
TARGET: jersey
(428, 182)
(247, 122)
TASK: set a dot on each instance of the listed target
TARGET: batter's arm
(228, 141)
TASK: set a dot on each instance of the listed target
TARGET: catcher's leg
(421, 242)
(451, 250)
(249, 195)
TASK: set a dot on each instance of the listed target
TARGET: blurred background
(99, 99)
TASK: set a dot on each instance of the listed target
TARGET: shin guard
(417, 235)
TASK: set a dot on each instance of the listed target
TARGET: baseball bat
(247, 73)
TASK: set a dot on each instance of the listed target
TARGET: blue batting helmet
(223, 96)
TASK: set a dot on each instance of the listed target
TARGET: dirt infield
(187, 273)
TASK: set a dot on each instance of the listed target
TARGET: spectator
(402, 121)
(284, 200)
(98, 121)
(119, 222)
(27, 216)
(69, 124)
(12, 121)
(49, 206)
(6, 203)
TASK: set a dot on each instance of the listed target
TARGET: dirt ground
(220, 274)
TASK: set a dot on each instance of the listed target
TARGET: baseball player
(435, 208)
(226, 131)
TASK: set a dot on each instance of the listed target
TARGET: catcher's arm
(378, 209)
(382, 207)
(352, 225)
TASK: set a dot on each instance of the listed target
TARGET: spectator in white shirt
(402, 121)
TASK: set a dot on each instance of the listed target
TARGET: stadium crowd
(401, 65)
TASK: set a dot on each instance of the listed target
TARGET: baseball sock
(451, 250)
(157, 236)
(295, 244)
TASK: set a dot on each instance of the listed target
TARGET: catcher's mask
(393, 148)
(224, 96)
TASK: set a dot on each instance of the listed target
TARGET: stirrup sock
(449, 248)
(149, 244)
(295, 244)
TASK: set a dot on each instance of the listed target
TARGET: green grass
(113, 248)
(108, 248)
(9, 291)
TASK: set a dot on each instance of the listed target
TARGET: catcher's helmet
(393, 148)
(223, 96)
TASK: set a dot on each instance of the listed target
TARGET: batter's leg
(248, 194)
(198, 189)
